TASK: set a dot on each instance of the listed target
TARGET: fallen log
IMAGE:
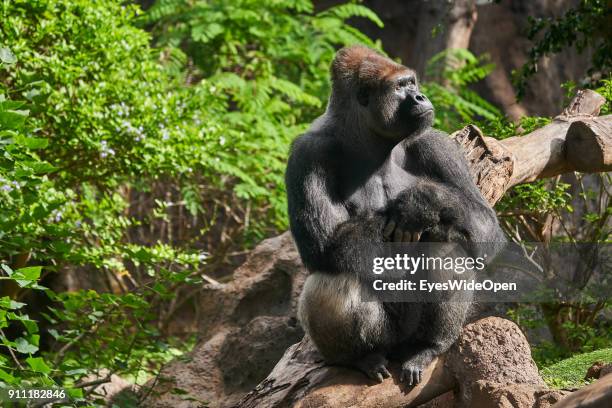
(576, 140)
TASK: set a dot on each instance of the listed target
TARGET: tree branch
(576, 140)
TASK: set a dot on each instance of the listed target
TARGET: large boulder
(246, 327)
(596, 395)
(489, 366)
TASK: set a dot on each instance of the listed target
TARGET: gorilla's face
(397, 109)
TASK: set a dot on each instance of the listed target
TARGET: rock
(605, 370)
(491, 395)
(446, 400)
(249, 323)
(596, 395)
(114, 389)
(594, 370)
(246, 326)
(492, 350)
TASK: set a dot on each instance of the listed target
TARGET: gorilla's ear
(363, 95)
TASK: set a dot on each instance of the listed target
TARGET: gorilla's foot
(412, 368)
(412, 372)
(373, 365)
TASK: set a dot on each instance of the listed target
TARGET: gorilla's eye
(409, 82)
(402, 83)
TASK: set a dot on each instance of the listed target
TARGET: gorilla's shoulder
(440, 141)
(313, 148)
(439, 136)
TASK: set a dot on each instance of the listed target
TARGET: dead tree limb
(576, 140)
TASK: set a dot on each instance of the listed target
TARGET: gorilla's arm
(328, 239)
(436, 157)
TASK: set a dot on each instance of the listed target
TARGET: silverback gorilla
(371, 169)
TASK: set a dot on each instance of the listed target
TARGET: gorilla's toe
(411, 373)
(374, 366)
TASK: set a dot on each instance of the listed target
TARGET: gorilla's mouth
(423, 113)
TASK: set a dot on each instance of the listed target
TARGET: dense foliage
(142, 153)
(585, 27)
(93, 121)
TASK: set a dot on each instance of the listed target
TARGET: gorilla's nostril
(420, 98)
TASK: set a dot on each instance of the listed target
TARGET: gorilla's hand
(425, 212)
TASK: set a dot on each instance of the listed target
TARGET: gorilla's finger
(407, 237)
(385, 372)
(420, 376)
(379, 377)
(415, 237)
(389, 229)
(398, 235)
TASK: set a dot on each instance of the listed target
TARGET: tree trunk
(457, 19)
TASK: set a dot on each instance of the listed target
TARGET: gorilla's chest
(373, 192)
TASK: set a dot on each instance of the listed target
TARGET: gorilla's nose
(420, 98)
(418, 101)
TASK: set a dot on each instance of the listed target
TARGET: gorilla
(371, 170)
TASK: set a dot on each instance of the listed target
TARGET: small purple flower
(105, 151)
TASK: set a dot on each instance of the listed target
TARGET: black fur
(372, 169)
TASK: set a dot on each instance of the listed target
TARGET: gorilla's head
(383, 93)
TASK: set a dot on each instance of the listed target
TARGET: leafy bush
(584, 26)
(105, 142)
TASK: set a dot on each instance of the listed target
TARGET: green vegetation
(570, 373)
(586, 25)
(93, 118)
(142, 153)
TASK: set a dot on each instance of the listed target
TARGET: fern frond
(346, 11)
(294, 92)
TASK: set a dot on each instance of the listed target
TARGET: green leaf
(7, 269)
(24, 347)
(12, 119)
(16, 305)
(4, 376)
(7, 56)
(32, 142)
(38, 365)
(8, 303)
(27, 276)
(77, 371)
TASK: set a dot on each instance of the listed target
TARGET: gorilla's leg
(346, 330)
(439, 327)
